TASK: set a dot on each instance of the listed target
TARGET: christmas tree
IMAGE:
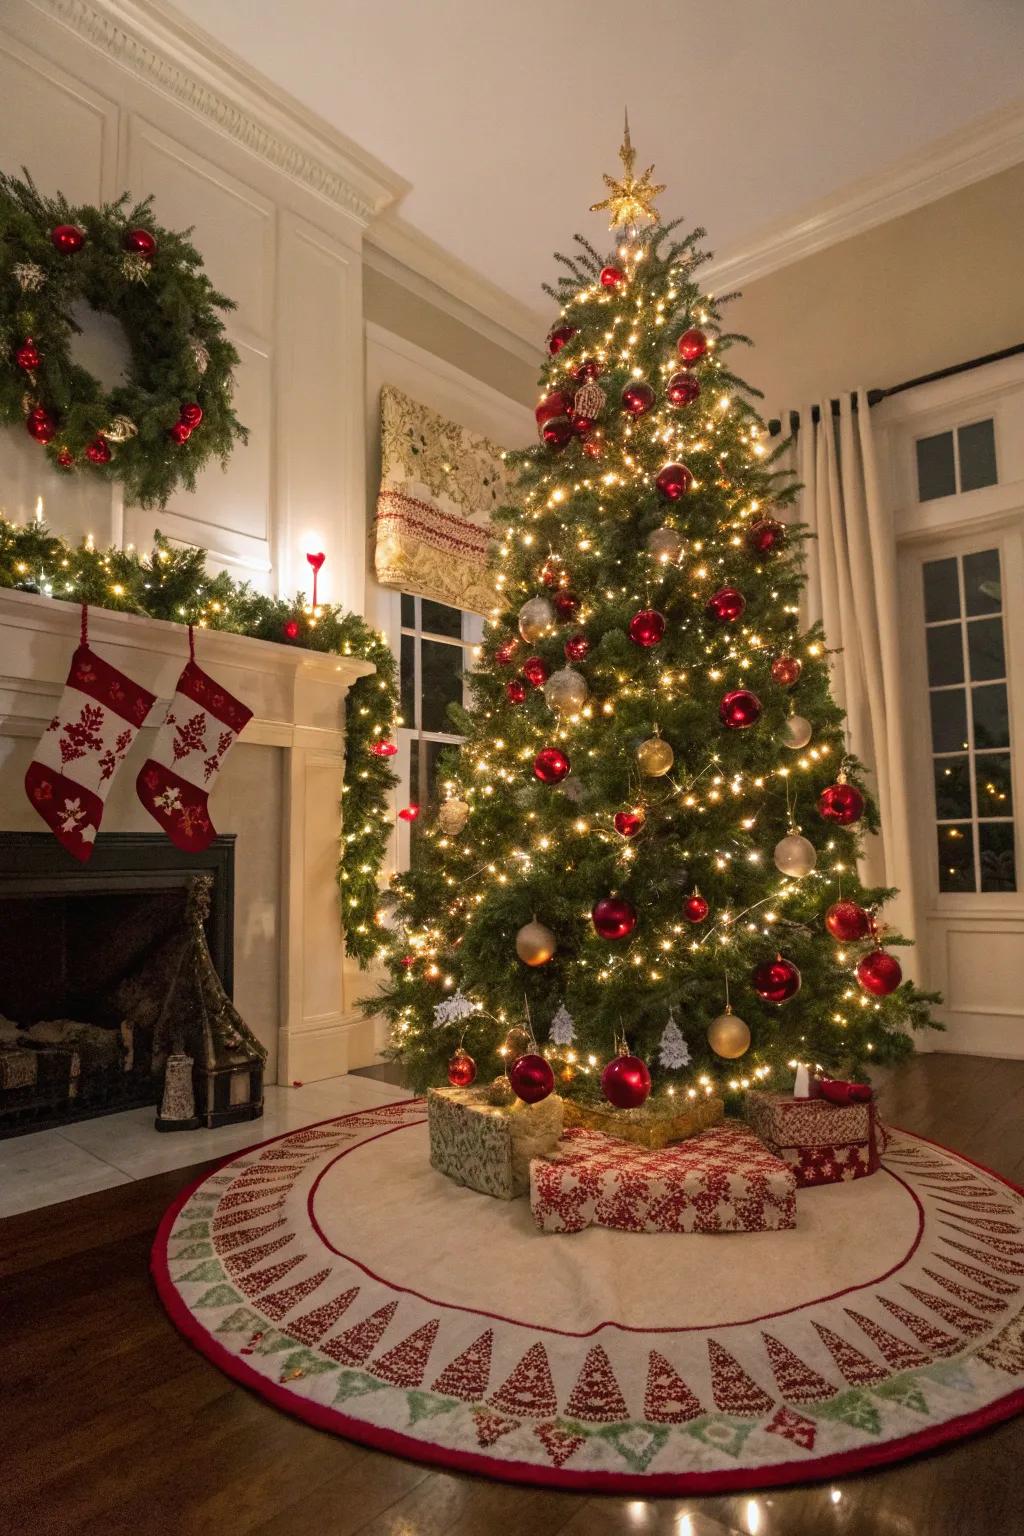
(644, 869)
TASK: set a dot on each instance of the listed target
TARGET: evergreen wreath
(172, 414)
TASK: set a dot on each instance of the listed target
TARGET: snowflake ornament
(563, 1029)
(453, 1009)
(28, 275)
(673, 1051)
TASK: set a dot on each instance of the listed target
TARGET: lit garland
(174, 584)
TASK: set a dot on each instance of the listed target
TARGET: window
(435, 651)
(960, 460)
(970, 722)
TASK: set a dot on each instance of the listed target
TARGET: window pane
(408, 670)
(956, 858)
(985, 649)
(945, 655)
(982, 585)
(991, 720)
(441, 684)
(994, 781)
(952, 788)
(949, 721)
(941, 590)
(439, 619)
(995, 846)
(936, 473)
(408, 611)
(977, 455)
(414, 772)
(434, 750)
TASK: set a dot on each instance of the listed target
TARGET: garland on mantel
(174, 584)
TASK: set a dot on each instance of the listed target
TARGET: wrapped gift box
(724, 1180)
(823, 1143)
(654, 1124)
(486, 1146)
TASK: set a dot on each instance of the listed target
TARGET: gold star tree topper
(631, 200)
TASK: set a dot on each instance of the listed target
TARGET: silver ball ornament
(566, 691)
(536, 618)
(795, 856)
(796, 732)
(665, 544)
(654, 757)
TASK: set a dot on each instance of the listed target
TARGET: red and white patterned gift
(724, 1180)
(823, 1143)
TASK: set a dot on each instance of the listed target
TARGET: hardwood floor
(113, 1423)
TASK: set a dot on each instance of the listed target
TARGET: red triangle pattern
(858, 1370)
(900, 1355)
(966, 1294)
(796, 1380)
(559, 1443)
(529, 1389)
(262, 1279)
(991, 1260)
(597, 1396)
(1001, 1245)
(793, 1426)
(733, 1390)
(491, 1426)
(239, 1197)
(468, 1375)
(979, 1276)
(221, 1222)
(240, 1236)
(280, 1302)
(667, 1398)
(986, 1223)
(405, 1365)
(238, 1263)
(950, 1313)
(935, 1339)
(356, 1344)
(311, 1327)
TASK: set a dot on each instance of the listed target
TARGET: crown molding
(152, 42)
(992, 144)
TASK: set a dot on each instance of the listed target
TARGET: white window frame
(954, 431)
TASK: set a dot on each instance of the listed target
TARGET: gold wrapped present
(654, 1124)
(489, 1146)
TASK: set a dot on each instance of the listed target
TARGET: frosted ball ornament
(879, 973)
(566, 691)
(637, 398)
(535, 944)
(614, 917)
(654, 757)
(626, 1082)
(776, 981)
(796, 733)
(726, 605)
(452, 816)
(461, 1068)
(536, 618)
(647, 628)
(551, 765)
(739, 709)
(531, 1078)
(794, 855)
(535, 670)
(841, 803)
(786, 671)
(692, 345)
(665, 544)
(728, 1035)
(673, 481)
(847, 921)
(683, 389)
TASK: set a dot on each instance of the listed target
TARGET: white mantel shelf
(279, 792)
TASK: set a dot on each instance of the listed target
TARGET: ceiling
(502, 117)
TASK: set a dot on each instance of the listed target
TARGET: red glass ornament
(841, 803)
(141, 242)
(726, 605)
(879, 973)
(192, 415)
(613, 917)
(588, 369)
(628, 823)
(461, 1068)
(409, 813)
(41, 425)
(290, 629)
(647, 627)
(383, 749)
(739, 708)
(515, 690)
(407, 962)
(551, 765)
(692, 345)
(786, 670)
(531, 1077)
(626, 1082)
(535, 670)
(560, 336)
(98, 451)
(776, 981)
(637, 398)
(551, 573)
(67, 238)
(611, 277)
(848, 922)
(505, 652)
(555, 404)
(674, 481)
(683, 389)
(695, 908)
(65, 458)
(576, 648)
(593, 448)
(765, 536)
(28, 355)
(566, 603)
(557, 432)
(180, 433)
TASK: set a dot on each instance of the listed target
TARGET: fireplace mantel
(279, 793)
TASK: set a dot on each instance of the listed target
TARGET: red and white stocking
(97, 720)
(199, 730)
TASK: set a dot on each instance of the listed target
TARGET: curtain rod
(875, 395)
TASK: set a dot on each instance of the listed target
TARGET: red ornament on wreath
(180, 433)
(726, 605)
(515, 690)
(384, 749)
(647, 628)
(673, 481)
(98, 451)
(141, 242)
(879, 973)
(66, 459)
(551, 765)
(28, 355)
(191, 414)
(626, 1082)
(683, 389)
(555, 404)
(692, 345)
(566, 603)
(611, 277)
(576, 648)
(765, 536)
(557, 432)
(786, 671)
(841, 803)
(41, 425)
(629, 823)
(560, 336)
(290, 629)
(67, 238)
(776, 981)
(461, 1068)
(535, 670)
(739, 709)
(531, 1077)
(695, 908)
(614, 917)
(847, 921)
(637, 398)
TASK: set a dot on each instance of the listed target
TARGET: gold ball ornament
(796, 732)
(518, 1041)
(728, 1036)
(795, 856)
(535, 944)
(665, 544)
(500, 1092)
(654, 757)
(452, 816)
(566, 691)
(536, 618)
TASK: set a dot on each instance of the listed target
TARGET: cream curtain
(852, 590)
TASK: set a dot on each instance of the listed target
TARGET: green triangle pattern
(219, 1296)
(721, 1434)
(357, 1384)
(195, 1230)
(211, 1270)
(308, 1363)
(637, 1444)
(192, 1251)
(949, 1373)
(904, 1391)
(424, 1405)
(242, 1320)
(853, 1408)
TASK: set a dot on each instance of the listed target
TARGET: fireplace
(77, 944)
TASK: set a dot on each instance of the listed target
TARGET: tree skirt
(336, 1273)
